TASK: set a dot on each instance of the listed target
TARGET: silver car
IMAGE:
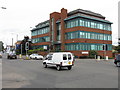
(36, 57)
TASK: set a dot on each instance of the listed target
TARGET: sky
(22, 15)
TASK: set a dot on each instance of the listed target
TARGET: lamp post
(3, 8)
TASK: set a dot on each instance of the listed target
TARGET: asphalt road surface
(18, 73)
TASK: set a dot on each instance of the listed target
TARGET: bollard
(98, 58)
(20, 56)
(27, 58)
(106, 58)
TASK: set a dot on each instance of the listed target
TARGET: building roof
(47, 21)
(41, 25)
(88, 17)
(85, 12)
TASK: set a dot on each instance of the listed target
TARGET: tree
(117, 48)
(92, 53)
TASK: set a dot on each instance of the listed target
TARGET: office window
(85, 47)
(81, 22)
(105, 37)
(101, 36)
(101, 26)
(109, 37)
(71, 24)
(92, 47)
(77, 47)
(77, 34)
(88, 23)
(88, 35)
(92, 35)
(109, 27)
(92, 25)
(104, 26)
(98, 26)
(82, 35)
(76, 22)
(95, 36)
(95, 25)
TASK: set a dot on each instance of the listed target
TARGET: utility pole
(12, 42)
(17, 37)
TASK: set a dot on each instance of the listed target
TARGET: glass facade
(58, 32)
(41, 39)
(52, 36)
(40, 31)
(88, 35)
(88, 23)
(39, 46)
(85, 46)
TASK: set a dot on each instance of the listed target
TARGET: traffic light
(27, 46)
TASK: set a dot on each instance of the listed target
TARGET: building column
(63, 16)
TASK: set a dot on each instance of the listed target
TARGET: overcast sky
(20, 15)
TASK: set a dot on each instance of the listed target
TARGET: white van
(59, 59)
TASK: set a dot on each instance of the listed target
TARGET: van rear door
(67, 59)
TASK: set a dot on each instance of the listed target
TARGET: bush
(92, 54)
(83, 57)
(35, 50)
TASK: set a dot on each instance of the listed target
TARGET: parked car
(36, 56)
(59, 60)
(117, 60)
(0, 55)
(12, 55)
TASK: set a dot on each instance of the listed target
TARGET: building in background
(20, 45)
(1, 46)
(10, 48)
(78, 31)
(118, 45)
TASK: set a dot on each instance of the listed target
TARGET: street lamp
(3, 8)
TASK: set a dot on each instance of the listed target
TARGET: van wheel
(69, 68)
(58, 68)
(45, 65)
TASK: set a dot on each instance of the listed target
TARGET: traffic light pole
(104, 54)
(21, 49)
(27, 48)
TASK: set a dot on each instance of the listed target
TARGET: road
(86, 73)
